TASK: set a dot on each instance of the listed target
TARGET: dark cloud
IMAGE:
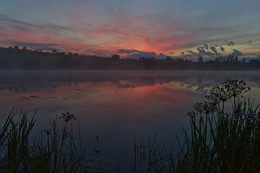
(236, 53)
(182, 53)
(207, 50)
(222, 49)
(191, 52)
(202, 47)
(41, 46)
(206, 46)
(171, 52)
(215, 51)
(26, 25)
(98, 52)
(127, 51)
(229, 43)
(6, 20)
(135, 54)
(8, 24)
(202, 52)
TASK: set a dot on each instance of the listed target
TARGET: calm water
(115, 106)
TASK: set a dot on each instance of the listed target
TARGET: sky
(134, 28)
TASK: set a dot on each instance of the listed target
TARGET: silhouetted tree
(200, 59)
(254, 61)
(15, 58)
(115, 57)
(236, 59)
(168, 58)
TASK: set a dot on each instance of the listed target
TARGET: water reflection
(116, 106)
(26, 80)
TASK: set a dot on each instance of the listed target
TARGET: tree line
(22, 58)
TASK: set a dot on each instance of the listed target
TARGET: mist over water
(116, 106)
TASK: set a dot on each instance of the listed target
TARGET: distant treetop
(115, 57)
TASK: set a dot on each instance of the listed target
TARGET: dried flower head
(198, 107)
(209, 107)
(228, 89)
(67, 116)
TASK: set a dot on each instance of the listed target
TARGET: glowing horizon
(131, 29)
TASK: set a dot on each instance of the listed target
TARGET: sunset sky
(134, 28)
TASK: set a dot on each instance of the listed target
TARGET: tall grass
(224, 136)
(219, 141)
(152, 157)
(56, 150)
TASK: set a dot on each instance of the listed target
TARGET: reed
(219, 141)
(55, 150)
(223, 136)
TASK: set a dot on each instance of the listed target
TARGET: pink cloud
(122, 31)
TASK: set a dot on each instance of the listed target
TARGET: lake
(115, 106)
